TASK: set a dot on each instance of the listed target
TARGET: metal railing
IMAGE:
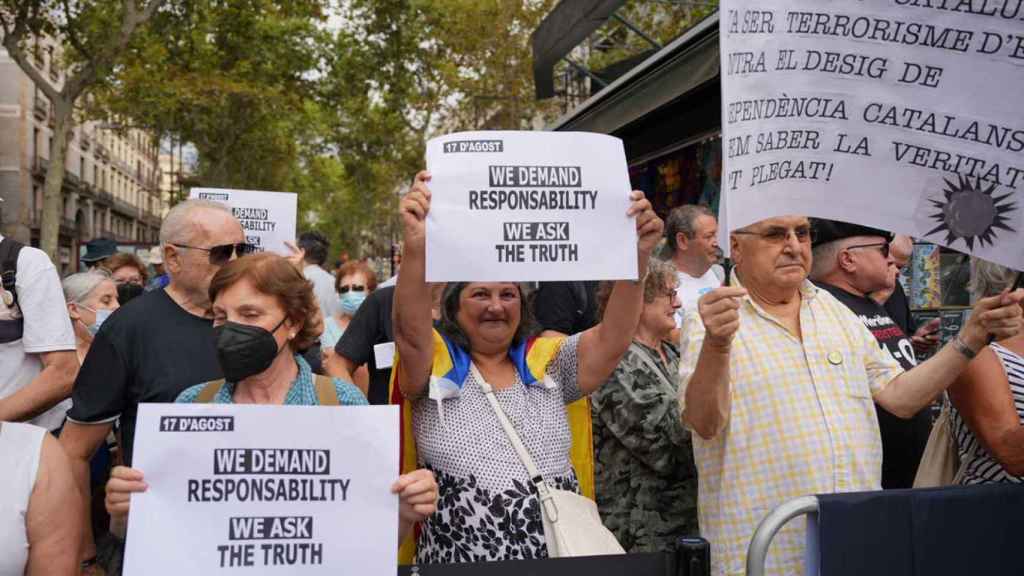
(757, 552)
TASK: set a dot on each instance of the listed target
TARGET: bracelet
(960, 346)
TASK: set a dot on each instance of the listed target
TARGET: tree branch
(130, 21)
(72, 33)
(12, 42)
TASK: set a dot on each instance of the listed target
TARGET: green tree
(235, 79)
(92, 36)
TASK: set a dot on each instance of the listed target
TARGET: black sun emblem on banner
(970, 212)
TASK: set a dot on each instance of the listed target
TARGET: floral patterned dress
(487, 508)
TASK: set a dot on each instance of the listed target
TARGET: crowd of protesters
(713, 396)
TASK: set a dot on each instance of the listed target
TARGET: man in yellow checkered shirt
(777, 381)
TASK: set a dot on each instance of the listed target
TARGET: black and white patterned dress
(980, 467)
(487, 508)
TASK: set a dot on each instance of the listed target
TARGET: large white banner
(512, 206)
(901, 114)
(261, 490)
(268, 218)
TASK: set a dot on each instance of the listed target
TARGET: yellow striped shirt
(802, 421)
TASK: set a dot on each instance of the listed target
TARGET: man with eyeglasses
(777, 381)
(161, 344)
(852, 262)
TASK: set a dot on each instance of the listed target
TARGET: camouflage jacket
(646, 480)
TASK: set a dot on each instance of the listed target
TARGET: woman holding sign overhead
(488, 508)
(264, 313)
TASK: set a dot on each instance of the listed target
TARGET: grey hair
(684, 219)
(989, 279)
(179, 219)
(824, 258)
(449, 323)
(77, 287)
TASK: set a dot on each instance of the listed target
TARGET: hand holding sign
(719, 310)
(648, 226)
(413, 208)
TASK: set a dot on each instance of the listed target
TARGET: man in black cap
(97, 250)
(852, 262)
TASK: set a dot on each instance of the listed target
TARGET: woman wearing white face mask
(91, 298)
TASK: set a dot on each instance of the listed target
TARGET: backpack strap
(326, 393)
(209, 391)
(9, 250)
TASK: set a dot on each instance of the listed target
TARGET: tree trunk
(52, 216)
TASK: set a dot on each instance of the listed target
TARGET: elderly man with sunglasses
(777, 380)
(156, 346)
(853, 262)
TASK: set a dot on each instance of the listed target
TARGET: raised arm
(601, 347)
(706, 392)
(911, 391)
(413, 324)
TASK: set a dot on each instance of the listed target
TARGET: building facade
(111, 183)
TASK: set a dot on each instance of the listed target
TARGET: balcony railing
(101, 151)
(125, 208)
(40, 165)
(41, 108)
(105, 197)
(85, 141)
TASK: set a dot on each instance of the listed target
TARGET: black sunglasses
(883, 247)
(220, 255)
(343, 289)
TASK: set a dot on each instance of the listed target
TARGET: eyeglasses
(353, 287)
(779, 235)
(220, 255)
(883, 247)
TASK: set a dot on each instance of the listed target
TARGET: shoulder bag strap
(326, 393)
(517, 443)
(9, 250)
(209, 391)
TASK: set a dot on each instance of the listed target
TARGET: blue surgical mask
(351, 301)
(101, 316)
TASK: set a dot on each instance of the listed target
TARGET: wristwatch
(960, 346)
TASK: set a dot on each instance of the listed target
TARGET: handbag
(572, 524)
(940, 464)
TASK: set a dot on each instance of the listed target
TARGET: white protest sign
(268, 218)
(900, 114)
(511, 206)
(256, 490)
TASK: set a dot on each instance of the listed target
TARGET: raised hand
(648, 226)
(413, 209)
(998, 316)
(719, 310)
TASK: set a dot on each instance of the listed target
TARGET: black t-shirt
(566, 307)
(370, 326)
(903, 441)
(150, 350)
(898, 308)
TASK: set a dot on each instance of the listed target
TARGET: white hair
(179, 219)
(825, 259)
(77, 287)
